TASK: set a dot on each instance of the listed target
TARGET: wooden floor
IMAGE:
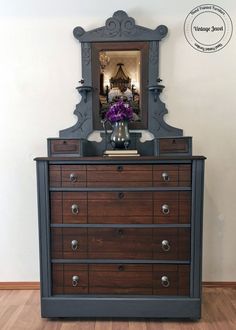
(20, 309)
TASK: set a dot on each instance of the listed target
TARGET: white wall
(40, 68)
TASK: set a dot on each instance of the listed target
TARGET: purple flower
(119, 111)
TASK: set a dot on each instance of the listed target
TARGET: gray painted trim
(196, 222)
(44, 228)
(120, 27)
(160, 307)
(87, 225)
(119, 261)
(123, 189)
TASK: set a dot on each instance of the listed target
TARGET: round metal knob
(165, 281)
(74, 245)
(75, 280)
(75, 209)
(165, 176)
(73, 177)
(165, 209)
(165, 245)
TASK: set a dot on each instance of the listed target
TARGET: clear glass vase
(120, 138)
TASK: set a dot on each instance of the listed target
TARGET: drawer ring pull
(165, 281)
(165, 209)
(75, 280)
(73, 177)
(74, 245)
(165, 176)
(75, 209)
(165, 245)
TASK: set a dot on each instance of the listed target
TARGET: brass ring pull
(165, 281)
(75, 280)
(165, 176)
(165, 245)
(75, 209)
(73, 177)
(165, 209)
(74, 245)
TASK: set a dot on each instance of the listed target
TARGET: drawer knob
(165, 245)
(165, 281)
(121, 195)
(120, 168)
(75, 280)
(120, 232)
(121, 268)
(165, 176)
(165, 209)
(75, 209)
(73, 177)
(74, 245)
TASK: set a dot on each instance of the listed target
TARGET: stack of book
(121, 153)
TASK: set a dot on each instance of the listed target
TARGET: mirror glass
(120, 72)
(120, 80)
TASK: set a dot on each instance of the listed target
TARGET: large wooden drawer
(121, 243)
(172, 175)
(120, 207)
(68, 207)
(172, 207)
(68, 176)
(144, 279)
(119, 175)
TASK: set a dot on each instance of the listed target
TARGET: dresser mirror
(120, 61)
(119, 72)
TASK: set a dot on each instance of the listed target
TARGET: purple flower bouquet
(119, 111)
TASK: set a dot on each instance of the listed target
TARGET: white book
(121, 152)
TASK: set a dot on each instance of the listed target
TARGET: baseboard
(214, 284)
(19, 285)
(36, 285)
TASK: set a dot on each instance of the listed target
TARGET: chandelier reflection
(104, 60)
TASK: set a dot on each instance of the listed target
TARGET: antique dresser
(120, 236)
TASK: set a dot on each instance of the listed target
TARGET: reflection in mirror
(120, 80)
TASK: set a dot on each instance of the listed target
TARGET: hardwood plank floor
(20, 309)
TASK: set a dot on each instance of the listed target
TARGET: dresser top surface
(128, 160)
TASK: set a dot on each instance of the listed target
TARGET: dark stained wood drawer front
(120, 207)
(68, 207)
(172, 207)
(70, 176)
(69, 243)
(171, 280)
(120, 279)
(119, 175)
(118, 243)
(172, 175)
(171, 244)
(69, 279)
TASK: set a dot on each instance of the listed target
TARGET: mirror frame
(118, 29)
